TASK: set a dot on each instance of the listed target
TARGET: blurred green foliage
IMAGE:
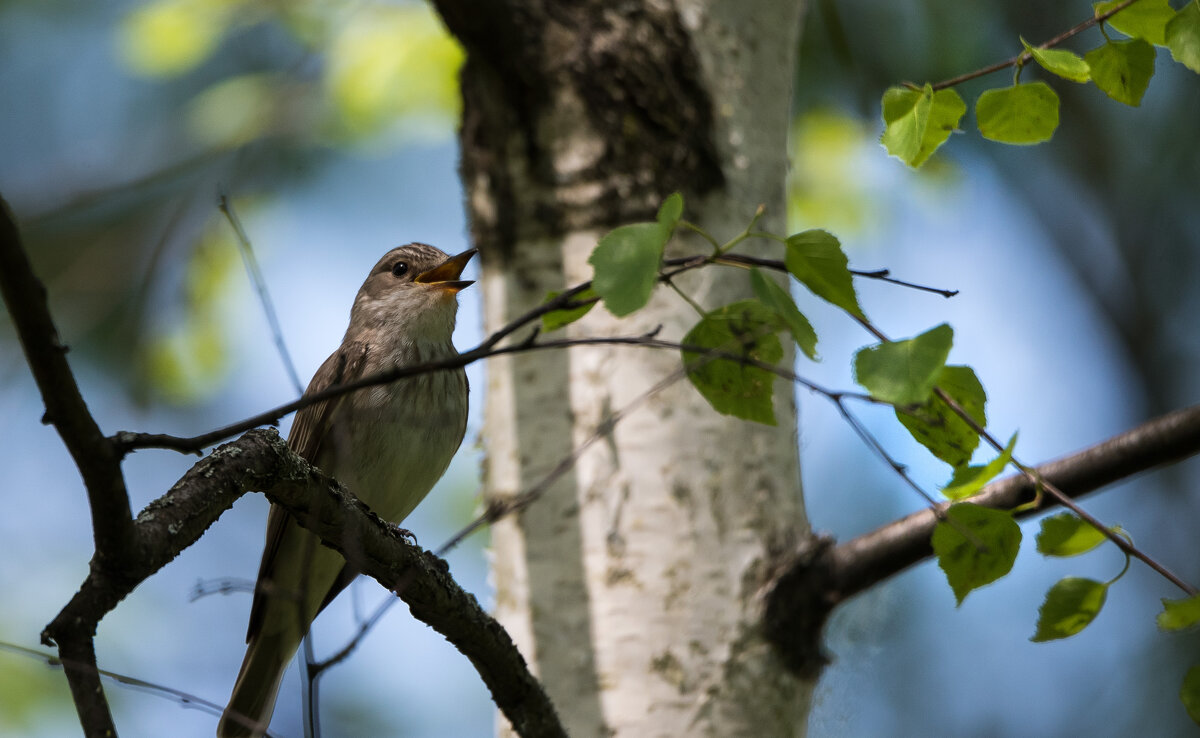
(29, 690)
(187, 360)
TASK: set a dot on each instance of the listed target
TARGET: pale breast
(404, 436)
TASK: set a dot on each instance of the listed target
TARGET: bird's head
(412, 288)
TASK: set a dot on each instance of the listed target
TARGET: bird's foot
(404, 533)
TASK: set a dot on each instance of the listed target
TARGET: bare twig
(260, 288)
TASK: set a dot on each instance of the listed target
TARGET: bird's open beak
(446, 275)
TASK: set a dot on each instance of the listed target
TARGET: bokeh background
(331, 127)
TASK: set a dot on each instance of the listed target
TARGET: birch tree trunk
(631, 586)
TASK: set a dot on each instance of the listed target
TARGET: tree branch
(261, 460)
(98, 462)
(819, 575)
(126, 441)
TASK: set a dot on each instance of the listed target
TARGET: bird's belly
(409, 437)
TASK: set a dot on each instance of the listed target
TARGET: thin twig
(1064, 499)
(260, 288)
(1024, 57)
(883, 275)
(128, 441)
(185, 699)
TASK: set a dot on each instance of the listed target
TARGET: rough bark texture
(633, 585)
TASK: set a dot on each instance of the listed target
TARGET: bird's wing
(307, 438)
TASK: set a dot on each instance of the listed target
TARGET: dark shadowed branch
(25, 298)
(261, 460)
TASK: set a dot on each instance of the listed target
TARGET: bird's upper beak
(445, 275)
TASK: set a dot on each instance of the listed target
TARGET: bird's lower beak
(446, 275)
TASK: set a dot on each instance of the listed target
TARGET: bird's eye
(400, 268)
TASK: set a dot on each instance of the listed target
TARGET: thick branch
(821, 575)
(261, 460)
(98, 462)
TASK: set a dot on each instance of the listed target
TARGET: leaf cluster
(732, 354)
(918, 120)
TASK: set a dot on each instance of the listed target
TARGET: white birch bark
(631, 585)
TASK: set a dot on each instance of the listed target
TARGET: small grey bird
(388, 445)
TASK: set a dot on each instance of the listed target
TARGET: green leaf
(947, 110)
(1021, 114)
(1189, 693)
(1122, 69)
(815, 258)
(1071, 605)
(905, 116)
(1183, 36)
(778, 300)
(1180, 614)
(1066, 64)
(626, 265)
(938, 428)
(1145, 19)
(968, 480)
(744, 391)
(1065, 534)
(918, 122)
(904, 372)
(671, 211)
(556, 319)
(980, 555)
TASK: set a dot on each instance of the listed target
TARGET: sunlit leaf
(1145, 19)
(904, 372)
(779, 301)
(815, 258)
(1183, 36)
(1066, 534)
(968, 480)
(1180, 614)
(919, 121)
(1070, 606)
(975, 546)
(746, 329)
(940, 429)
(906, 116)
(1122, 69)
(559, 318)
(1066, 64)
(1021, 114)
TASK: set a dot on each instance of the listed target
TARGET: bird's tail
(253, 699)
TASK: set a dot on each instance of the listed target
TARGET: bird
(387, 444)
